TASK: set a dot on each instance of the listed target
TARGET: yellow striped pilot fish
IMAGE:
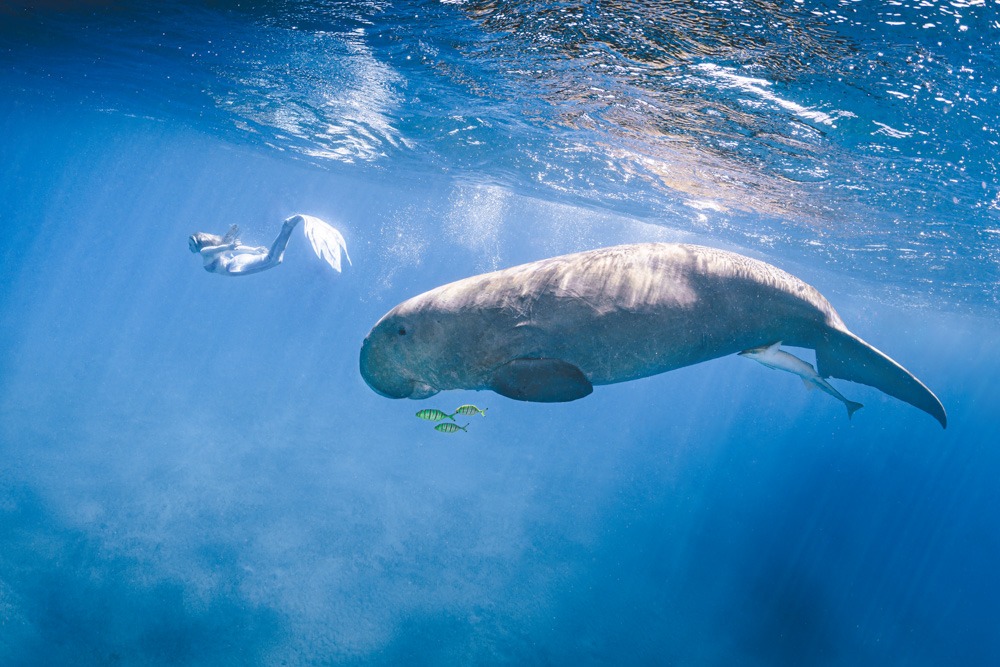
(470, 410)
(450, 428)
(433, 415)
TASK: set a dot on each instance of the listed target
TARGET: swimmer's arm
(234, 247)
(248, 250)
(213, 251)
(232, 235)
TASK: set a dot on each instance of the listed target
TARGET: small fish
(773, 357)
(450, 428)
(470, 410)
(432, 415)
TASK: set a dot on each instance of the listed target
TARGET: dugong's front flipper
(540, 380)
(843, 355)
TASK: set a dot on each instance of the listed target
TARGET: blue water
(193, 472)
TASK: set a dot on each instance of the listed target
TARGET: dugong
(550, 330)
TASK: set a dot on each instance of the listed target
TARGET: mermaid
(227, 256)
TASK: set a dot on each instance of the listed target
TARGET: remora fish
(550, 330)
(774, 357)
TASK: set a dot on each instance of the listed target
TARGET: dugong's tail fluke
(844, 355)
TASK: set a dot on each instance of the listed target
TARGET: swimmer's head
(201, 240)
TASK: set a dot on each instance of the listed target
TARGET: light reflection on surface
(830, 125)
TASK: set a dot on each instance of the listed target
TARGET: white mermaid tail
(326, 241)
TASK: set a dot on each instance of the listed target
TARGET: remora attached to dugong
(550, 330)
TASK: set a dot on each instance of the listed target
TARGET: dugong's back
(551, 329)
(631, 311)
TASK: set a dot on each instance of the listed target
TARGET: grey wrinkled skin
(616, 314)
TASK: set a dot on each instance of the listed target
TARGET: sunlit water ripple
(865, 136)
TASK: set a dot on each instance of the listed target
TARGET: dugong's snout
(386, 374)
(377, 370)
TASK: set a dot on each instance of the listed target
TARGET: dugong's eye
(402, 331)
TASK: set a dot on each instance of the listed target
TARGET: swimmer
(227, 256)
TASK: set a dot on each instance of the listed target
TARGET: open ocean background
(193, 472)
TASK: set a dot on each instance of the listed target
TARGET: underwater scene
(470, 332)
